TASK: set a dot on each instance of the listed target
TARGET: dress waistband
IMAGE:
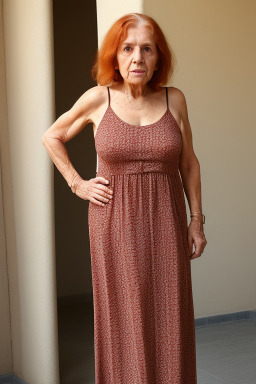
(105, 169)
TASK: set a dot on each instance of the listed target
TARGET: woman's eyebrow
(130, 43)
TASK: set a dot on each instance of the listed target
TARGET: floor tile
(226, 353)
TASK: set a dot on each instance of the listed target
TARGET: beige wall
(214, 43)
(27, 185)
(5, 221)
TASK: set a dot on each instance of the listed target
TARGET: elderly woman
(141, 245)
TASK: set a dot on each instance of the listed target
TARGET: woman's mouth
(138, 72)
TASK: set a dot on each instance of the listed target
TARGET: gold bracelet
(198, 214)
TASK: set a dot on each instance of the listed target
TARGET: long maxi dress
(144, 328)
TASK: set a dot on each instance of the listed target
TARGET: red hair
(103, 70)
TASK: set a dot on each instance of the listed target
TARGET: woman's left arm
(190, 173)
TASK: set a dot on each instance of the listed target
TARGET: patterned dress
(144, 329)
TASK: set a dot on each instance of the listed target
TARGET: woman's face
(137, 52)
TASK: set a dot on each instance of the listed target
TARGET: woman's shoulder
(93, 99)
(176, 92)
(176, 96)
(90, 103)
(96, 95)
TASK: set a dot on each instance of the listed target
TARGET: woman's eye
(147, 49)
(128, 48)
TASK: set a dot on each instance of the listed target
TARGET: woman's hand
(196, 236)
(94, 190)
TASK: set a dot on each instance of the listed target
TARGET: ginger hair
(103, 70)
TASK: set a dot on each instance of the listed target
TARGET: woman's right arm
(67, 126)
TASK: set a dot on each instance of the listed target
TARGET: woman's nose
(138, 56)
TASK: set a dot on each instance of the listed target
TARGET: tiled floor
(226, 353)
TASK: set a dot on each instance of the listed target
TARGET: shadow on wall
(75, 44)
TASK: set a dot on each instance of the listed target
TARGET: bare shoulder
(91, 101)
(179, 105)
(84, 111)
(176, 96)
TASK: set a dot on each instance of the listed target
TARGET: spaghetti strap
(166, 88)
(108, 97)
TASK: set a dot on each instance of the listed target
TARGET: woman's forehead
(138, 33)
(134, 29)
